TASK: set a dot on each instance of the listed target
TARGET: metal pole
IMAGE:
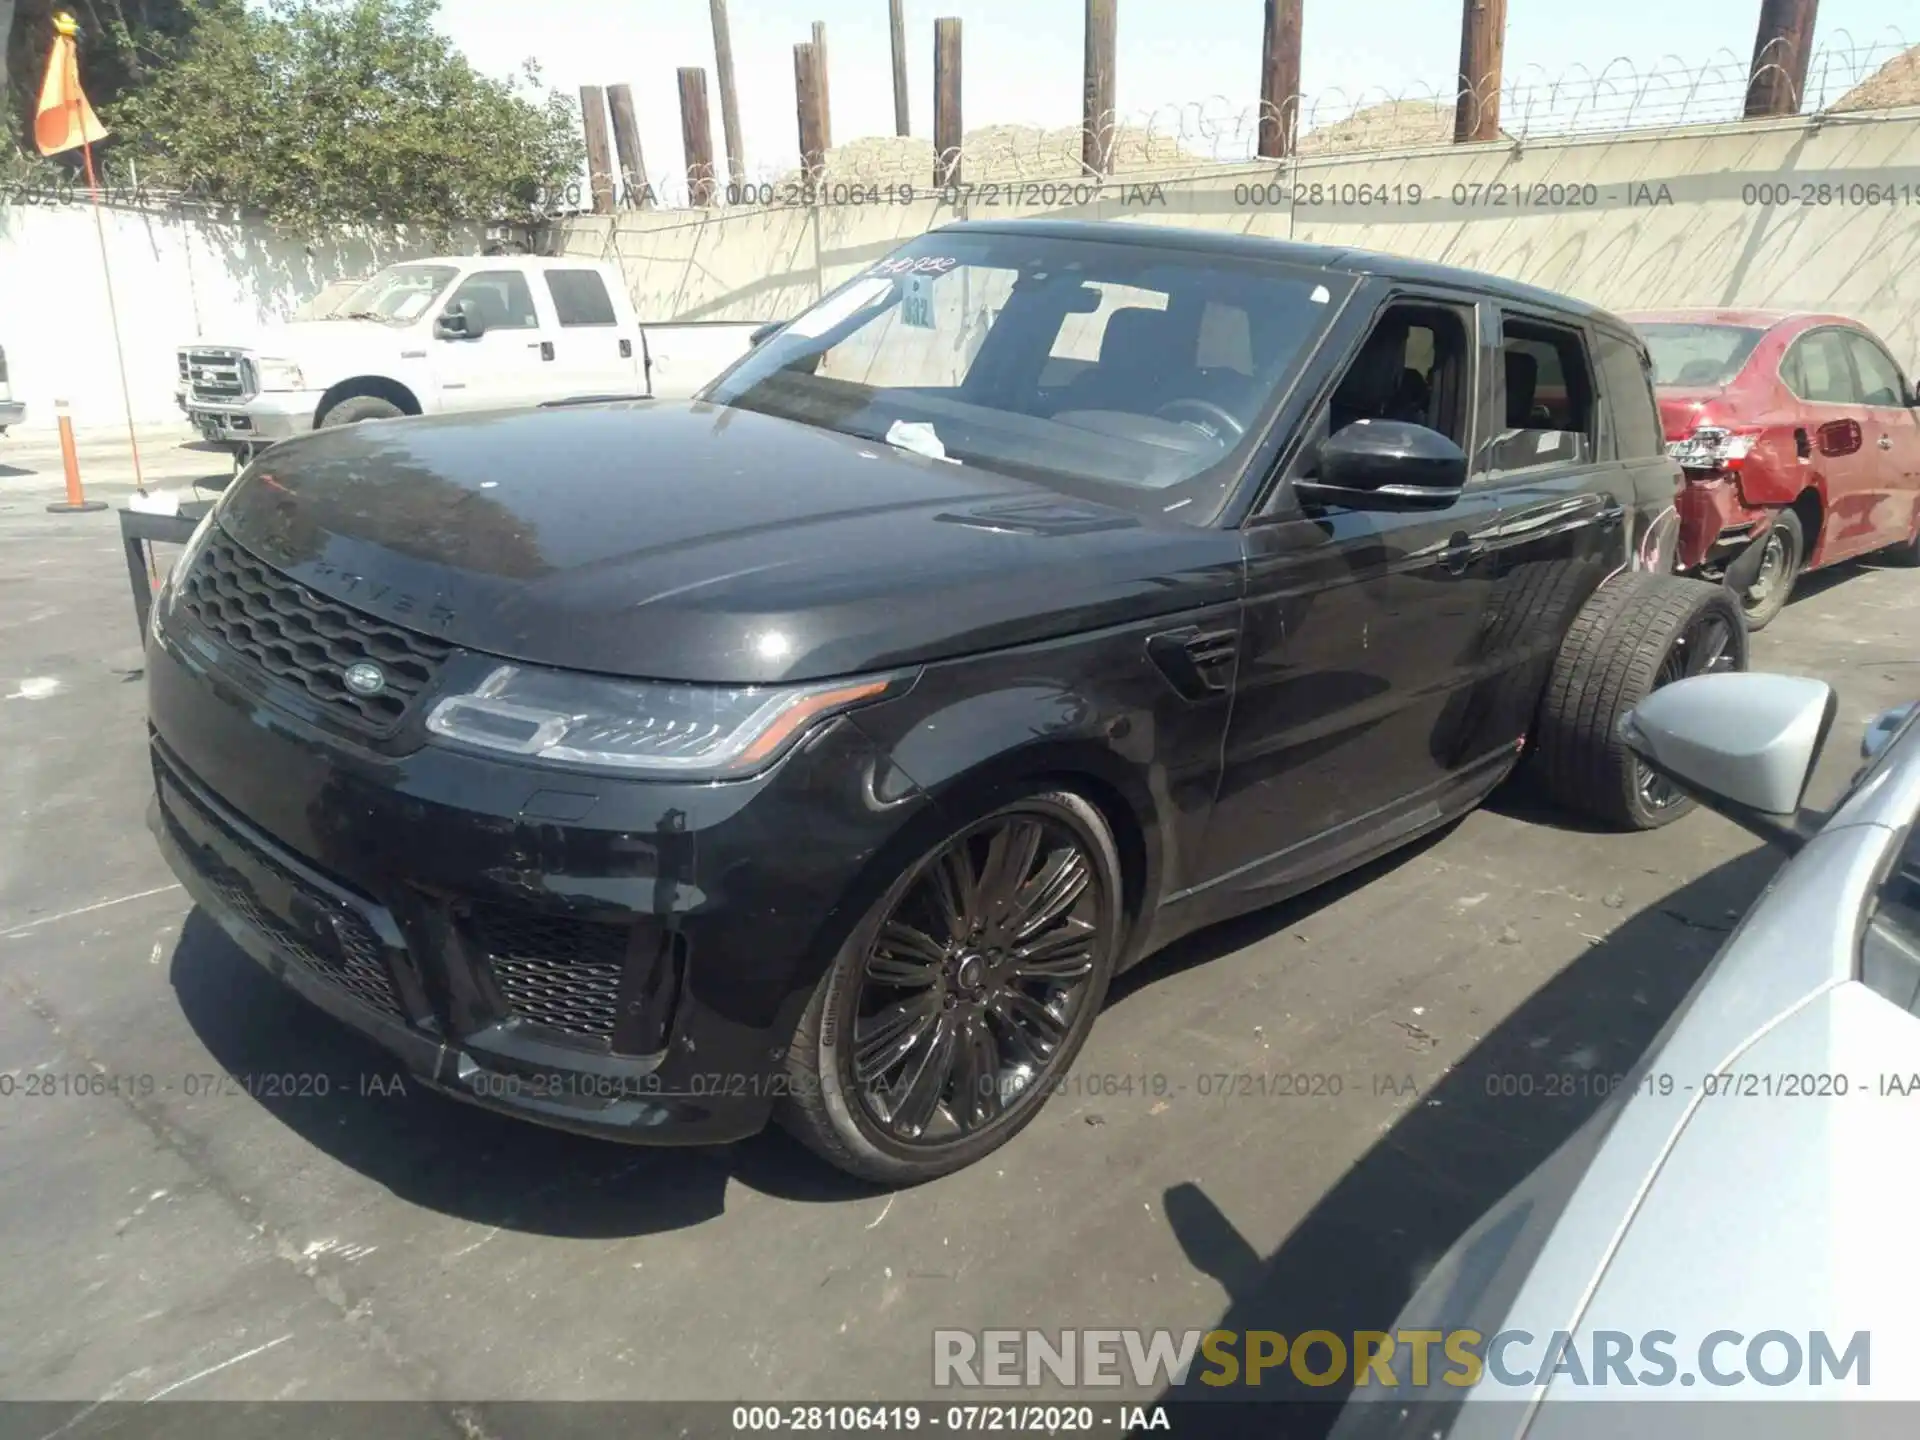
(113, 313)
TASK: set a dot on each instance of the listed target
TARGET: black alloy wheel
(964, 994)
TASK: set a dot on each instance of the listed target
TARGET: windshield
(1698, 354)
(1133, 374)
(399, 293)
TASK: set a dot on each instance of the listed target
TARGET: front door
(1360, 628)
(505, 365)
(1819, 370)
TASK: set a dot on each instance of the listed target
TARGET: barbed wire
(1845, 74)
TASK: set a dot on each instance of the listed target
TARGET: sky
(1022, 58)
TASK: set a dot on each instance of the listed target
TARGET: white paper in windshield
(918, 436)
(851, 301)
(412, 305)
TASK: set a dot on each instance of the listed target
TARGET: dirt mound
(1390, 125)
(1894, 84)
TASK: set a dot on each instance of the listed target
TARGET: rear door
(1361, 626)
(594, 354)
(1892, 441)
(1818, 368)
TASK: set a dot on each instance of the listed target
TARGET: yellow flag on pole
(65, 120)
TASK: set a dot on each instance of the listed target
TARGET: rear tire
(356, 408)
(1638, 632)
(966, 1018)
(1786, 554)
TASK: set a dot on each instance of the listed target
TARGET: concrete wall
(1687, 217)
(175, 277)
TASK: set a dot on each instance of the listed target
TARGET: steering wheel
(1207, 409)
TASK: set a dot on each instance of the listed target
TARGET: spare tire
(1639, 631)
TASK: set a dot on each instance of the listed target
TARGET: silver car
(1737, 1222)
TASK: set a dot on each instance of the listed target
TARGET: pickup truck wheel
(356, 408)
(961, 996)
(1638, 632)
(1784, 551)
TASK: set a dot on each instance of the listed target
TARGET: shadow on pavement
(1356, 1259)
(452, 1157)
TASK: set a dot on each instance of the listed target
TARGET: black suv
(826, 745)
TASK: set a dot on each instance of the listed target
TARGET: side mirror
(461, 320)
(765, 332)
(1742, 744)
(1885, 726)
(1387, 465)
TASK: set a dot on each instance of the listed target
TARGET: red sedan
(1800, 440)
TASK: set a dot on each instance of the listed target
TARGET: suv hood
(695, 542)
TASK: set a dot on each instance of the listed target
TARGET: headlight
(643, 726)
(279, 374)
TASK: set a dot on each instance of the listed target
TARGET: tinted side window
(1879, 377)
(505, 301)
(1413, 368)
(1549, 398)
(1817, 369)
(580, 297)
(1628, 376)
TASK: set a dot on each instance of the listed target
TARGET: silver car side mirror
(1742, 744)
(1884, 727)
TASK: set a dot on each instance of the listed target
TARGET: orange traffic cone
(76, 502)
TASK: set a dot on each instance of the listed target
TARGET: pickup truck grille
(218, 377)
(303, 640)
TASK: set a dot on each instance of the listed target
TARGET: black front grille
(354, 965)
(304, 640)
(554, 971)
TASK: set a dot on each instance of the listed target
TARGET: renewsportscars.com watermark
(1379, 1360)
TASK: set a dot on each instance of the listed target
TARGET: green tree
(320, 112)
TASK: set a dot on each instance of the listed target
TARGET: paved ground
(215, 1245)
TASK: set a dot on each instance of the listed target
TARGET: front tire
(356, 408)
(962, 995)
(1785, 554)
(1639, 631)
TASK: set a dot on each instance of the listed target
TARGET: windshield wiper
(364, 315)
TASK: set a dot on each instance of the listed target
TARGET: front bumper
(12, 412)
(264, 420)
(621, 958)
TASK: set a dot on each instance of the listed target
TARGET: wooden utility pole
(729, 101)
(897, 22)
(696, 135)
(826, 93)
(1483, 47)
(626, 143)
(593, 115)
(806, 104)
(1280, 78)
(946, 102)
(1777, 84)
(1097, 87)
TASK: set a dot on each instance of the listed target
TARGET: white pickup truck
(438, 335)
